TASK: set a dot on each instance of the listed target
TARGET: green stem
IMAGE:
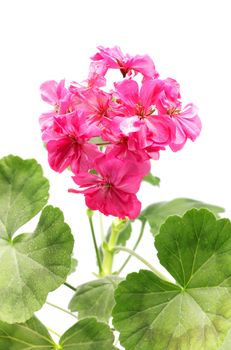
(54, 332)
(101, 227)
(103, 143)
(70, 286)
(134, 247)
(145, 262)
(89, 214)
(61, 309)
(109, 252)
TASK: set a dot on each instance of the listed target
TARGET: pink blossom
(114, 58)
(57, 96)
(144, 128)
(188, 125)
(67, 143)
(96, 74)
(98, 105)
(113, 189)
(169, 97)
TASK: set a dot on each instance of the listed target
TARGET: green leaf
(74, 264)
(26, 336)
(33, 265)
(95, 298)
(227, 343)
(23, 193)
(157, 213)
(88, 334)
(193, 315)
(152, 180)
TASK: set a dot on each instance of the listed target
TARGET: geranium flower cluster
(107, 138)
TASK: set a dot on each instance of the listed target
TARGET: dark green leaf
(157, 213)
(88, 334)
(23, 193)
(34, 265)
(194, 315)
(25, 336)
(152, 180)
(95, 298)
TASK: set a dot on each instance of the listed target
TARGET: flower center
(172, 111)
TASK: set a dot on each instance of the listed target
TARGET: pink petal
(128, 91)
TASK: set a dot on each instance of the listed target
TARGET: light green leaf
(227, 343)
(157, 213)
(26, 336)
(95, 298)
(74, 264)
(23, 193)
(193, 315)
(152, 180)
(33, 265)
(88, 334)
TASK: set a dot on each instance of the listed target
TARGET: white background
(52, 39)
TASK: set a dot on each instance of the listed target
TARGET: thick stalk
(109, 252)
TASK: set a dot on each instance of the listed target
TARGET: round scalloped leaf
(157, 213)
(32, 265)
(23, 193)
(95, 298)
(88, 334)
(152, 314)
(29, 335)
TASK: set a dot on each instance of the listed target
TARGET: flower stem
(70, 286)
(101, 227)
(109, 252)
(145, 262)
(103, 143)
(61, 309)
(90, 214)
(134, 248)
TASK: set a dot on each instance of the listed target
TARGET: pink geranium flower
(188, 125)
(112, 190)
(144, 128)
(186, 120)
(96, 74)
(58, 96)
(67, 143)
(114, 58)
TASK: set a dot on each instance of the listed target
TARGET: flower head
(112, 190)
(114, 58)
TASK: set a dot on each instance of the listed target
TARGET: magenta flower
(57, 96)
(188, 125)
(186, 120)
(144, 128)
(114, 58)
(108, 136)
(113, 189)
(67, 143)
(95, 104)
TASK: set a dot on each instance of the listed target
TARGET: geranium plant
(107, 138)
